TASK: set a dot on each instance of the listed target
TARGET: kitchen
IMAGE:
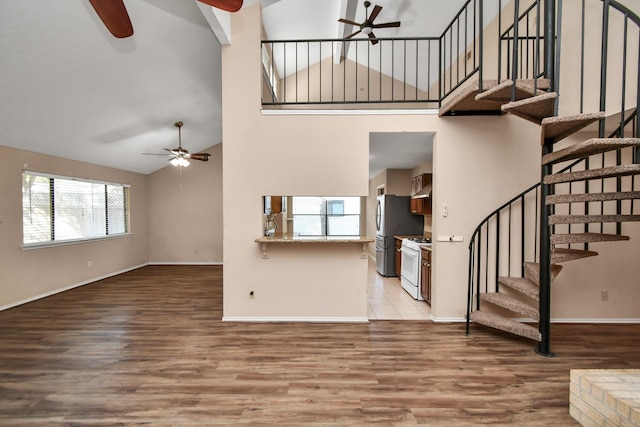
(399, 216)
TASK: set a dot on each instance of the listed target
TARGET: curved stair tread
(502, 323)
(586, 238)
(532, 271)
(534, 109)
(522, 285)
(590, 219)
(565, 254)
(591, 197)
(609, 172)
(510, 303)
(524, 89)
(588, 148)
(557, 128)
(464, 101)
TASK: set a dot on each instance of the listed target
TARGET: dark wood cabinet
(425, 275)
(421, 205)
(398, 256)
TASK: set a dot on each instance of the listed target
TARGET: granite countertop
(314, 239)
(426, 248)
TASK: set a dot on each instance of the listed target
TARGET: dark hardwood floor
(148, 348)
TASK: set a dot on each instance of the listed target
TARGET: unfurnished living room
(303, 212)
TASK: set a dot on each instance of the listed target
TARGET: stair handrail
(617, 133)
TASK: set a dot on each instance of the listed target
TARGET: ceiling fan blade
(114, 16)
(387, 25)
(376, 11)
(200, 156)
(228, 5)
(357, 32)
(346, 21)
(373, 38)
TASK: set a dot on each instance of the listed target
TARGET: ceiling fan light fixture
(367, 30)
(179, 161)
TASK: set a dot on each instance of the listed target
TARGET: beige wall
(28, 274)
(479, 162)
(185, 212)
(328, 154)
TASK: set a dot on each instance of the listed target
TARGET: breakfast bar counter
(265, 241)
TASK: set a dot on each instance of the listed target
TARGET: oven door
(410, 271)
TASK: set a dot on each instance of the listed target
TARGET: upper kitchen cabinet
(421, 194)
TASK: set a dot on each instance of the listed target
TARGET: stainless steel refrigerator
(393, 218)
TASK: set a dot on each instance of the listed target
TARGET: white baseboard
(598, 320)
(447, 319)
(77, 285)
(183, 263)
(297, 319)
(553, 320)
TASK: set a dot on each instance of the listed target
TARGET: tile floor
(388, 301)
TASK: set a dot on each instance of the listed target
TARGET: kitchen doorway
(395, 158)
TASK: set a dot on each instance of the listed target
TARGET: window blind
(62, 209)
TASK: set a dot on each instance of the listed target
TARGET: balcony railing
(420, 70)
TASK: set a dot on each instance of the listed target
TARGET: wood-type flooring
(148, 347)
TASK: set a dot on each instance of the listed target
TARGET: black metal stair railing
(504, 241)
(509, 236)
(422, 70)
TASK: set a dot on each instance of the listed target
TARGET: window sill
(31, 246)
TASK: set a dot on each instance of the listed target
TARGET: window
(326, 216)
(59, 209)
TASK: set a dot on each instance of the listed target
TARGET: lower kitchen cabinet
(425, 275)
(398, 256)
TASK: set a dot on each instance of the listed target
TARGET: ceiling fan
(368, 26)
(113, 14)
(180, 156)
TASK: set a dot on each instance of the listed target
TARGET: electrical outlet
(90, 264)
(604, 295)
(445, 210)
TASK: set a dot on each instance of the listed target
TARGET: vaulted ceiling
(70, 89)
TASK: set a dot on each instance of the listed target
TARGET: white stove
(410, 270)
(415, 242)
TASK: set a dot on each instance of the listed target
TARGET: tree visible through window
(62, 209)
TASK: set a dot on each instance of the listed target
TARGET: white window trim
(49, 244)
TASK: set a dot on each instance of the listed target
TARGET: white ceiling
(70, 89)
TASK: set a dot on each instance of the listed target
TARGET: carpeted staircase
(534, 102)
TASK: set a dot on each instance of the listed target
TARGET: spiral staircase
(520, 302)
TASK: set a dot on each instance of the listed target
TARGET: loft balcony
(404, 73)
